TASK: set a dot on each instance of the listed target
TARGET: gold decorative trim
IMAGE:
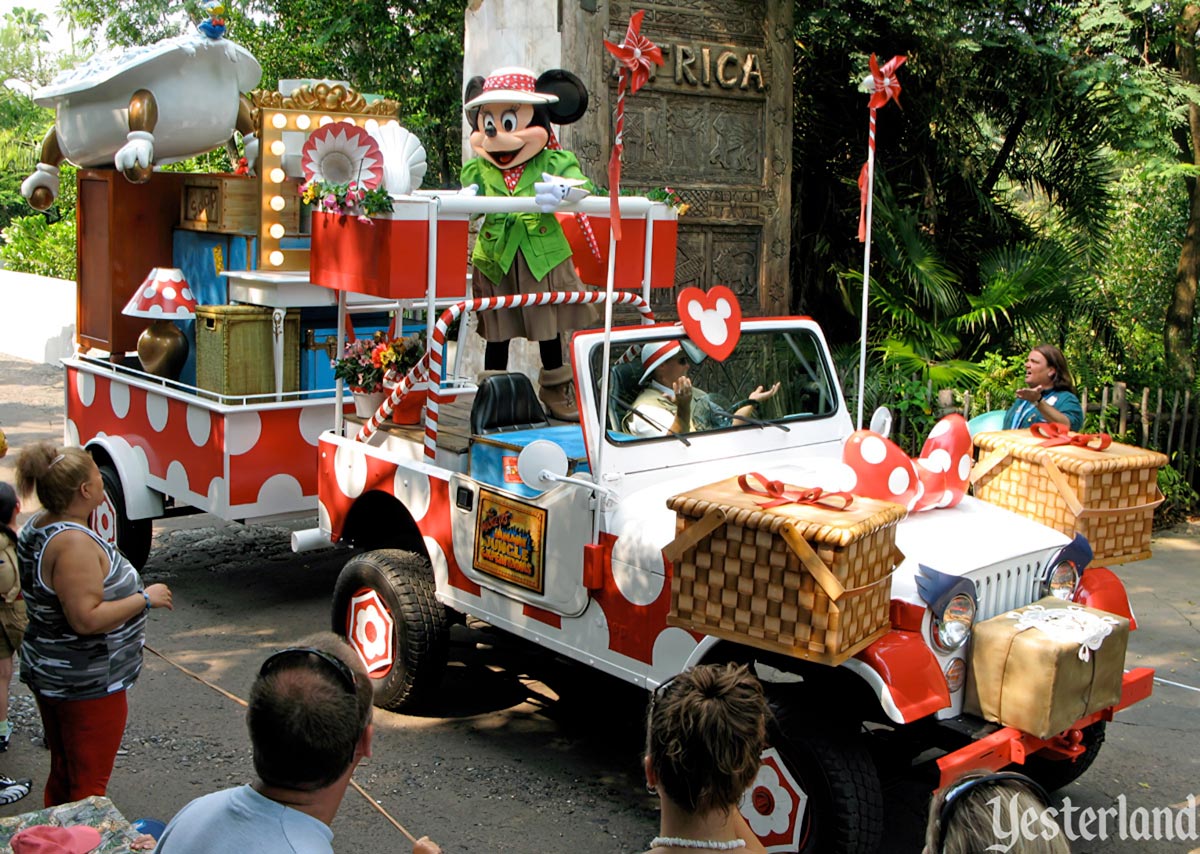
(325, 98)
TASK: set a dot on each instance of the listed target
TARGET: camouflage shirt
(56, 661)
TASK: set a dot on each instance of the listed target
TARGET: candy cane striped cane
(585, 222)
(433, 360)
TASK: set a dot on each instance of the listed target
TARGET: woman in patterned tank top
(87, 617)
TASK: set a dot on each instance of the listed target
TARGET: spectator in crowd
(12, 606)
(1002, 812)
(1048, 395)
(705, 732)
(87, 621)
(310, 725)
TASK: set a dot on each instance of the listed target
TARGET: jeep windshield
(642, 374)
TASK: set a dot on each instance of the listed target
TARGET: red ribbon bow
(779, 494)
(636, 52)
(885, 83)
(1060, 434)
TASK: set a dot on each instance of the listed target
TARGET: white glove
(250, 152)
(138, 150)
(469, 190)
(552, 191)
(44, 176)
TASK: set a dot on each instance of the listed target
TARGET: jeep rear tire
(384, 605)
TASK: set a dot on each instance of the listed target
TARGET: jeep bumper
(1008, 746)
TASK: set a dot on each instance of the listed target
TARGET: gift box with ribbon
(1077, 483)
(784, 568)
(1042, 667)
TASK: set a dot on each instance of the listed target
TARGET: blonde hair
(705, 733)
(963, 816)
(53, 473)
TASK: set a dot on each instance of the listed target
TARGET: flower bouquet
(396, 358)
(349, 199)
(358, 368)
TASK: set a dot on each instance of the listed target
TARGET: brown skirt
(540, 323)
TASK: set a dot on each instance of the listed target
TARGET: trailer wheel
(816, 794)
(384, 605)
(1054, 774)
(110, 522)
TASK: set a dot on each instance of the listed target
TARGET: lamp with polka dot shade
(163, 297)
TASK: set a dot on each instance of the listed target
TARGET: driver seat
(624, 386)
(506, 402)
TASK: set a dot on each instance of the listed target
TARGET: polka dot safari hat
(511, 85)
(164, 294)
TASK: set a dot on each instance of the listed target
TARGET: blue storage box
(202, 255)
(493, 458)
(318, 343)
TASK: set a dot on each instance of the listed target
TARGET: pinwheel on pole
(634, 56)
(884, 86)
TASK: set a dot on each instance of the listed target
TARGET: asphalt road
(522, 751)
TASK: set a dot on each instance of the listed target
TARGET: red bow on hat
(636, 52)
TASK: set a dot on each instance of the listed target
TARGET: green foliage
(22, 126)
(1179, 498)
(33, 244)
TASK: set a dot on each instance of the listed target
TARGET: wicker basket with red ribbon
(1077, 483)
(784, 568)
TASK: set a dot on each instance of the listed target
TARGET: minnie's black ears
(572, 95)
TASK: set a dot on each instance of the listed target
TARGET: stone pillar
(714, 123)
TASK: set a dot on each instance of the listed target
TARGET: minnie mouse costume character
(510, 112)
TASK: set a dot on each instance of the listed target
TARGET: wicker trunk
(1108, 496)
(806, 580)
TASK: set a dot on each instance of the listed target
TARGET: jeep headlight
(952, 627)
(1061, 580)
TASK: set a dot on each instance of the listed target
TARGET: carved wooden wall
(714, 123)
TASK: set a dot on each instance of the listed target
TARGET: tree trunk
(1177, 333)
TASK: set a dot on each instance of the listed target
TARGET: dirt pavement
(522, 751)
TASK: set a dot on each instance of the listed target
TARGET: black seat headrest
(506, 402)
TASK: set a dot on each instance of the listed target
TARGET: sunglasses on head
(956, 792)
(309, 655)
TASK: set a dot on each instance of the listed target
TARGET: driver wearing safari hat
(670, 404)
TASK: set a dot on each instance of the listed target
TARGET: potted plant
(359, 370)
(397, 357)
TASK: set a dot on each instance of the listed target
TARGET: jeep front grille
(1007, 588)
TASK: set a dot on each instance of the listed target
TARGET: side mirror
(541, 463)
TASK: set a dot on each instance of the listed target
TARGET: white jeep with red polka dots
(556, 533)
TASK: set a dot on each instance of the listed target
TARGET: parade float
(850, 576)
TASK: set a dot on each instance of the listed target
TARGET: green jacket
(537, 236)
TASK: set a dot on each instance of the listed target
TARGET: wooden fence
(1166, 421)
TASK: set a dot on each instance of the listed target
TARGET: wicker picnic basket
(807, 580)
(1107, 495)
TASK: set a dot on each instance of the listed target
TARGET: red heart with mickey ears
(712, 320)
